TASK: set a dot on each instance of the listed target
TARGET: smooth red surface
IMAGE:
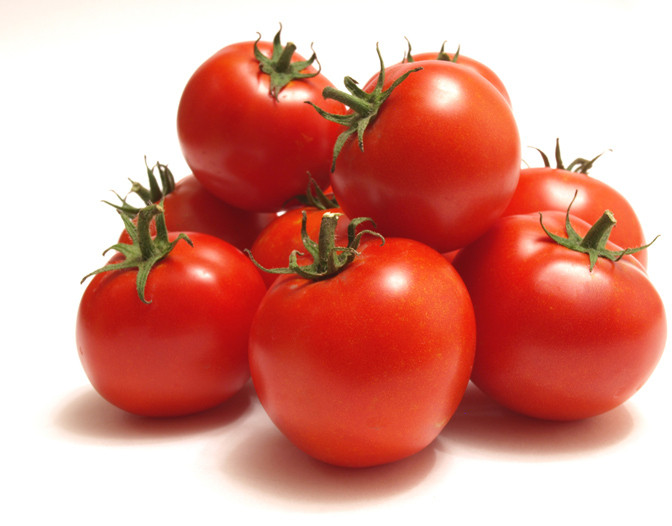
(184, 352)
(368, 366)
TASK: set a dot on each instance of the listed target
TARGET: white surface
(88, 88)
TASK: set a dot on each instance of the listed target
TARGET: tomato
(463, 60)
(186, 349)
(251, 144)
(551, 188)
(555, 339)
(439, 159)
(367, 366)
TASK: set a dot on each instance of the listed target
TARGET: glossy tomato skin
(473, 64)
(245, 147)
(184, 352)
(441, 160)
(553, 189)
(191, 208)
(276, 242)
(366, 367)
(555, 340)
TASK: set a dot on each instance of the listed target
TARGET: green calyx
(364, 106)
(316, 198)
(150, 195)
(328, 258)
(578, 165)
(144, 251)
(442, 55)
(279, 65)
(595, 240)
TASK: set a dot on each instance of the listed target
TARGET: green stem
(328, 258)
(279, 65)
(355, 103)
(143, 193)
(285, 59)
(597, 236)
(326, 242)
(145, 241)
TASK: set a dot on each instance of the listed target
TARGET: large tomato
(251, 143)
(551, 188)
(555, 339)
(183, 350)
(367, 366)
(439, 159)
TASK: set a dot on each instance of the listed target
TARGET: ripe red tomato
(247, 147)
(548, 188)
(184, 352)
(556, 340)
(463, 60)
(440, 158)
(367, 366)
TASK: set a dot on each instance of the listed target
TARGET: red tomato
(248, 148)
(365, 367)
(556, 340)
(184, 352)
(440, 159)
(550, 188)
(471, 63)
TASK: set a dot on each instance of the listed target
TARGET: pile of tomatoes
(362, 255)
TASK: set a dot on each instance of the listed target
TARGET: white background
(89, 88)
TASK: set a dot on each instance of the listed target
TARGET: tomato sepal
(328, 259)
(595, 240)
(144, 251)
(578, 165)
(279, 65)
(150, 195)
(315, 197)
(441, 55)
(365, 106)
